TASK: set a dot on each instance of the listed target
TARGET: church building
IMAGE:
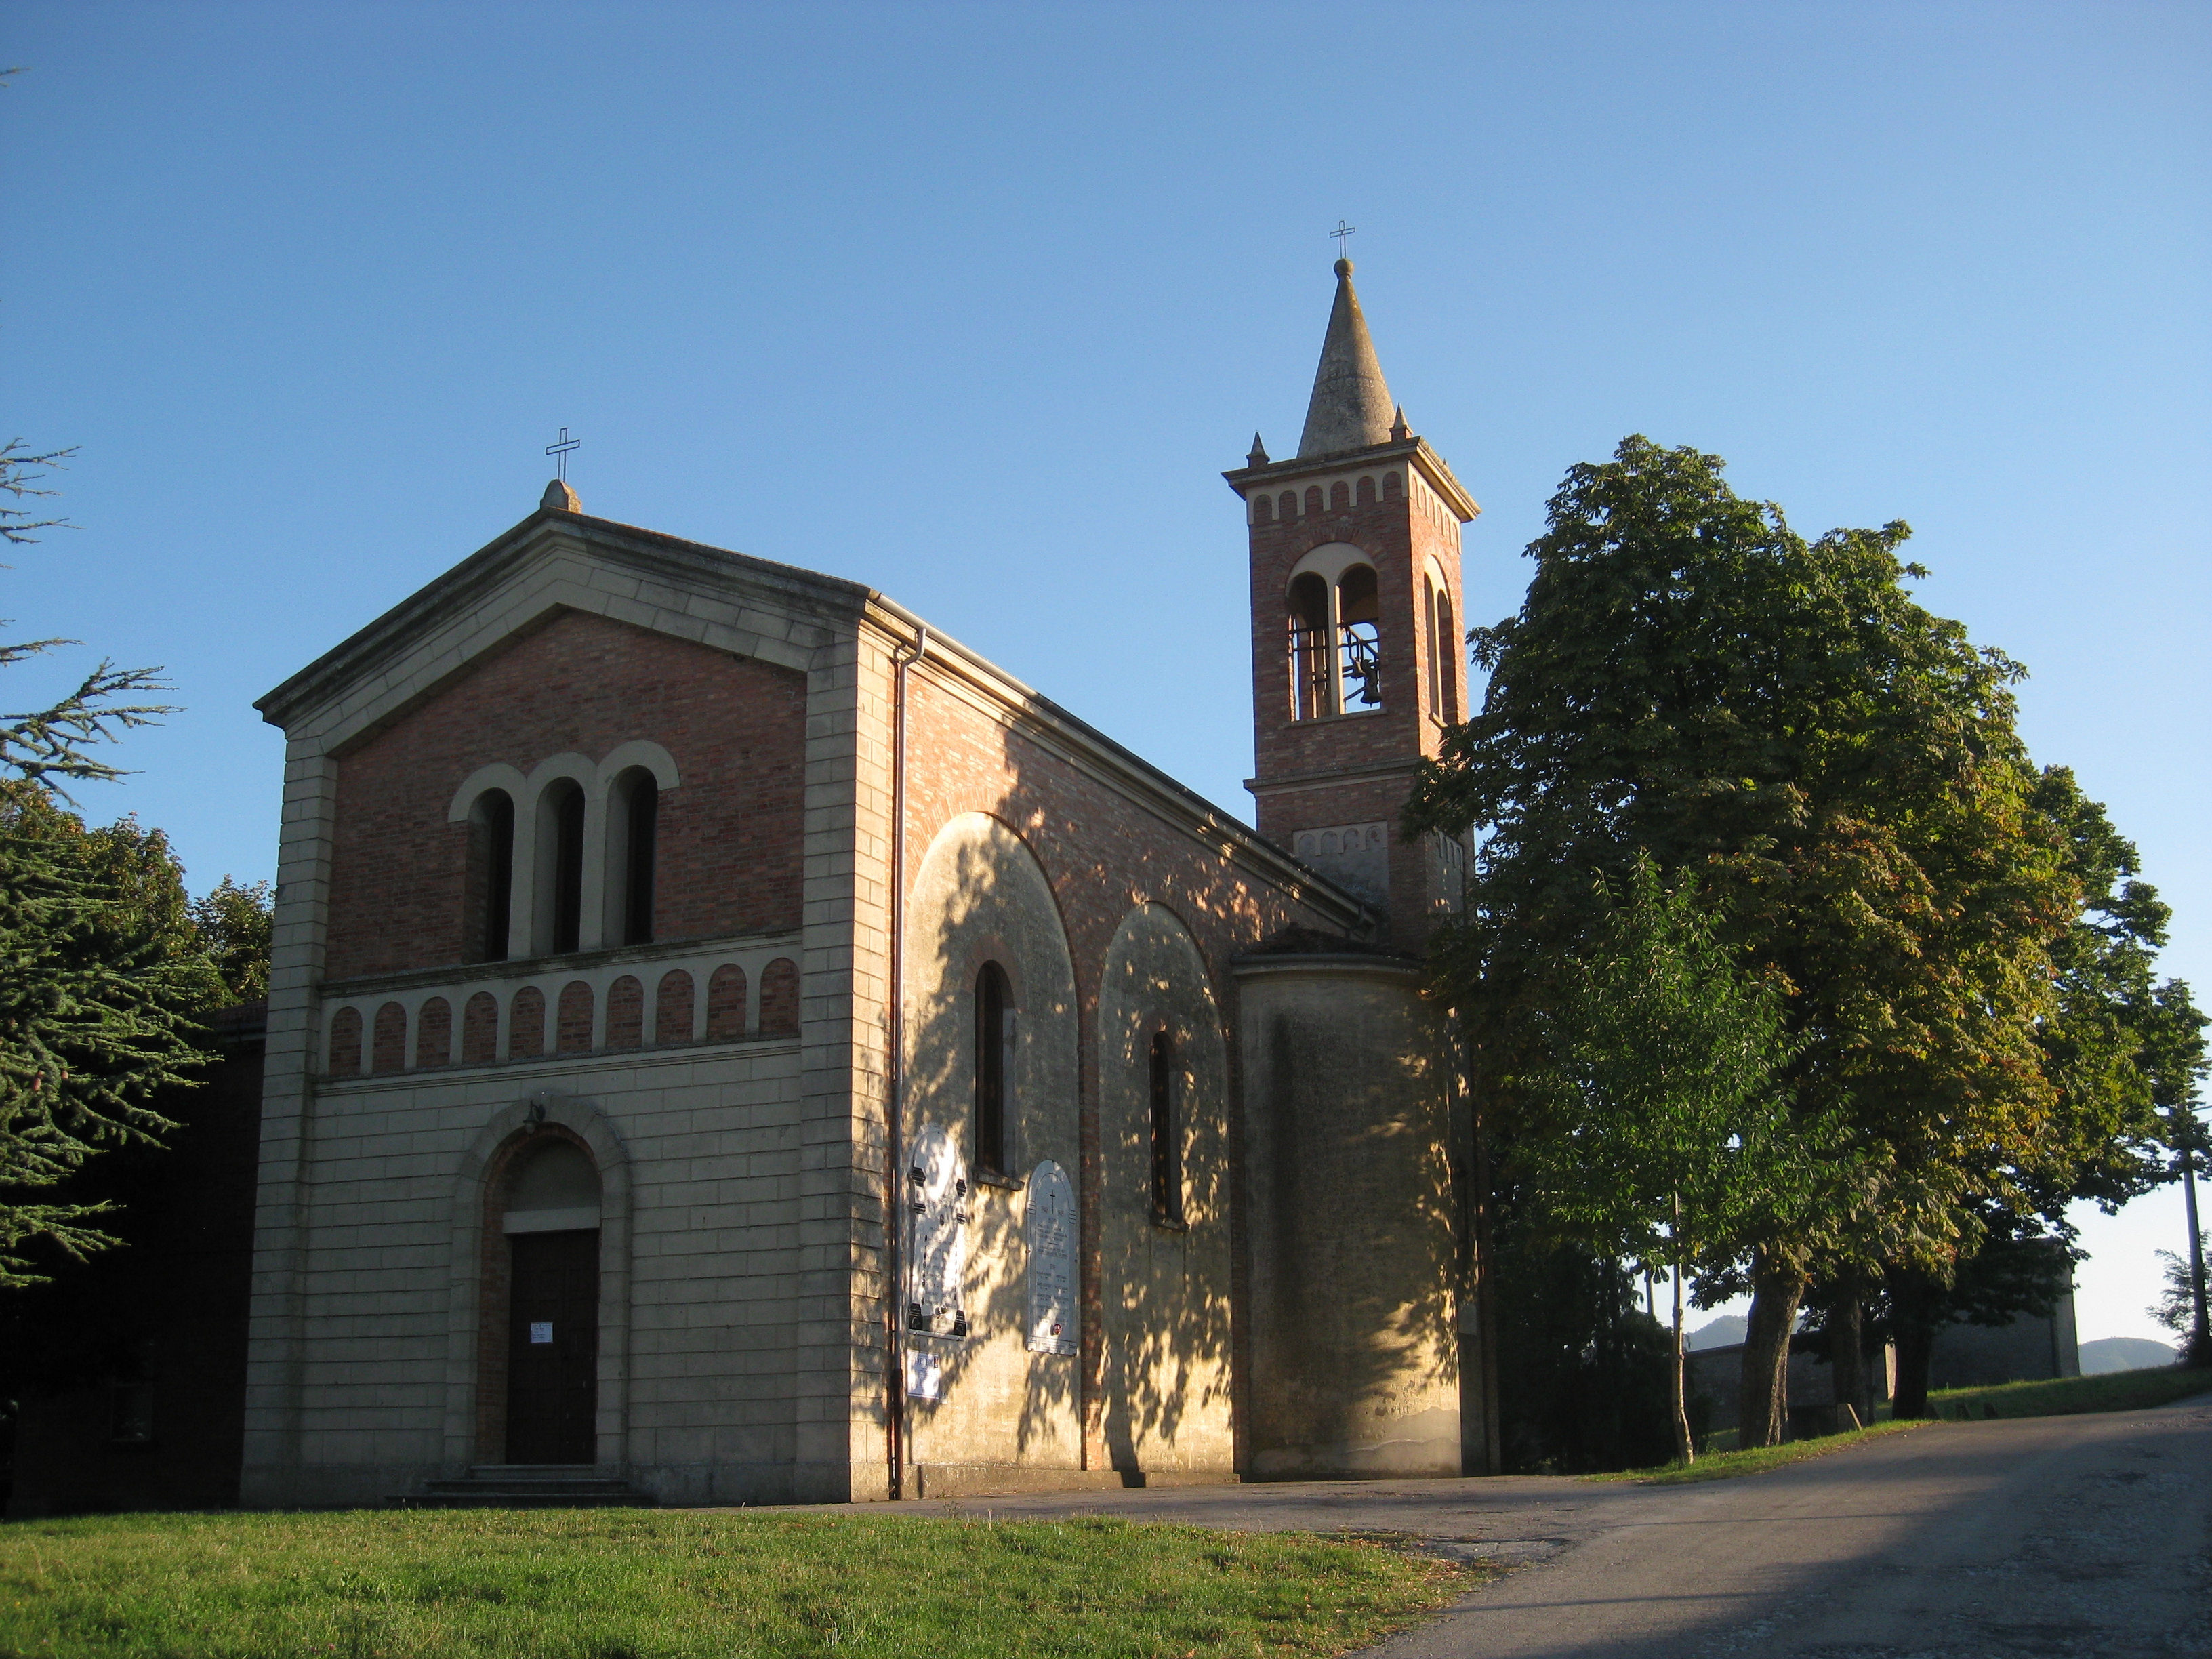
(729, 1042)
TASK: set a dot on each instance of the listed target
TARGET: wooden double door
(553, 1347)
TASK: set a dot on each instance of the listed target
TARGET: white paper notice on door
(541, 1330)
(925, 1374)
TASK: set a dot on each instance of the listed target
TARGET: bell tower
(1359, 663)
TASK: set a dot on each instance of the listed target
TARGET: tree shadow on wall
(980, 897)
(1165, 1262)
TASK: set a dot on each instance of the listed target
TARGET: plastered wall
(1355, 1361)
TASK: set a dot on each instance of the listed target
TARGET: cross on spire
(1342, 232)
(560, 451)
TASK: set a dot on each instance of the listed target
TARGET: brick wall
(729, 833)
(1104, 854)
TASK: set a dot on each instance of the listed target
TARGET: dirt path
(2059, 1535)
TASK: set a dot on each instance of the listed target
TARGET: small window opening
(1167, 1159)
(490, 880)
(993, 1030)
(1358, 661)
(633, 838)
(560, 829)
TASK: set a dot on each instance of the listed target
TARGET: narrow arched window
(1167, 1153)
(633, 843)
(994, 1028)
(488, 887)
(561, 864)
(1435, 621)
(1449, 647)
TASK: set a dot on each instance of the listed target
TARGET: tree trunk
(1847, 1356)
(1913, 1301)
(2197, 1350)
(1684, 1452)
(1763, 1409)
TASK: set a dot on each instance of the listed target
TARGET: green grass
(2113, 1391)
(637, 1584)
(1723, 1465)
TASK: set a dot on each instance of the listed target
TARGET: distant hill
(1728, 1330)
(2124, 1353)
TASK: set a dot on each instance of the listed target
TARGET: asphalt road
(2056, 1535)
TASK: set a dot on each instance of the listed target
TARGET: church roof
(1351, 408)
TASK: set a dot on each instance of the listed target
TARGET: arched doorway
(550, 1225)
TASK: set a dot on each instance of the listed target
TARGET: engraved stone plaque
(1049, 1233)
(937, 1235)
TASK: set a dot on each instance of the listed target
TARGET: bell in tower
(1358, 664)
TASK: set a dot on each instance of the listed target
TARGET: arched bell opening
(1311, 658)
(538, 1346)
(1358, 611)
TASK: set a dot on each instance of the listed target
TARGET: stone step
(527, 1487)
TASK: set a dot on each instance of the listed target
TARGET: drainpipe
(894, 1140)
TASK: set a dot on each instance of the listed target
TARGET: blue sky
(974, 302)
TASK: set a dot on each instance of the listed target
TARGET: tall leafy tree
(1838, 771)
(102, 971)
(102, 978)
(1667, 1139)
(234, 922)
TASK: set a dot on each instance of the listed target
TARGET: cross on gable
(560, 450)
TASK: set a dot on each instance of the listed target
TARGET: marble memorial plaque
(1049, 1233)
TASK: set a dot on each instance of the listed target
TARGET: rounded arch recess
(1164, 1284)
(485, 1159)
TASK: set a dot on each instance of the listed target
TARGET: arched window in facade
(489, 885)
(1167, 1150)
(994, 1033)
(561, 867)
(633, 836)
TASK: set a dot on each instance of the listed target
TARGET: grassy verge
(635, 1585)
(1723, 1465)
(2113, 1391)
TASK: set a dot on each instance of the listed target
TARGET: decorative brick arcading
(725, 1004)
(576, 1021)
(779, 999)
(625, 1014)
(525, 1024)
(673, 1020)
(434, 1034)
(480, 1029)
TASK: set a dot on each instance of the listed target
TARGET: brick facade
(728, 858)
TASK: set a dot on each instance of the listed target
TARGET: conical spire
(1350, 407)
